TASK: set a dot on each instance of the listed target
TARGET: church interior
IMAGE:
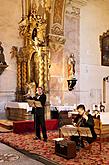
(63, 47)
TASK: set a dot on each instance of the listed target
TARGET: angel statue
(71, 67)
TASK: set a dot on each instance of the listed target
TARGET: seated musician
(84, 119)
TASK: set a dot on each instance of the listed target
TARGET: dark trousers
(79, 140)
(39, 118)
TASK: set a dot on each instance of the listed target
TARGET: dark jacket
(41, 98)
(83, 123)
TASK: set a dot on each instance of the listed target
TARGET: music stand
(33, 103)
(70, 130)
(84, 132)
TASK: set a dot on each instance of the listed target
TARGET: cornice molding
(76, 3)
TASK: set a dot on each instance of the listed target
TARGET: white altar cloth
(64, 108)
(22, 105)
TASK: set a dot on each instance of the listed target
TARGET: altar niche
(34, 68)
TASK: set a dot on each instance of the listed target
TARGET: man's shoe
(45, 140)
(82, 145)
(36, 138)
(78, 148)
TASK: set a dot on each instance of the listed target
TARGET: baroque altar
(33, 57)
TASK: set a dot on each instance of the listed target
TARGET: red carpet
(28, 125)
(26, 143)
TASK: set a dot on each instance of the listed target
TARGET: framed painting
(104, 45)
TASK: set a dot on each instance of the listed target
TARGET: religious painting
(104, 44)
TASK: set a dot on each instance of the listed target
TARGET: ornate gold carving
(18, 75)
(57, 29)
(58, 11)
(24, 69)
(56, 42)
(33, 55)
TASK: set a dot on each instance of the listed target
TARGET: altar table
(18, 111)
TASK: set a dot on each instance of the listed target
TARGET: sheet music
(30, 103)
(84, 131)
(37, 104)
(33, 103)
(69, 130)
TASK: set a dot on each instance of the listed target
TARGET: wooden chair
(101, 130)
(97, 128)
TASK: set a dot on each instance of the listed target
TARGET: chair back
(97, 126)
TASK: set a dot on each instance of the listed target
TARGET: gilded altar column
(19, 80)
(45, 73)
(45, 68)
(28, 74)
(24, 73)
(19, 75)
(25, 8)
(29, 6)
(41, 68)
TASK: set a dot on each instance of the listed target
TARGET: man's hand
(85, 116)
(74, 124)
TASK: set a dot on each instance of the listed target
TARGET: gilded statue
(71, 67)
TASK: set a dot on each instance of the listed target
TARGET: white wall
(94, 20)
(10, 15)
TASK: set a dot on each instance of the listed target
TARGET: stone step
(6, 124)
(4, 130)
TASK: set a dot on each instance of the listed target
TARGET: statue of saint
(71, 67)
(2, 57)
(30, 90)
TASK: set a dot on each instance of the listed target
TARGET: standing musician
(84, 120)
(39, 113)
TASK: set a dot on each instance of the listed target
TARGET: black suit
(83, 123)
(39, 118)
